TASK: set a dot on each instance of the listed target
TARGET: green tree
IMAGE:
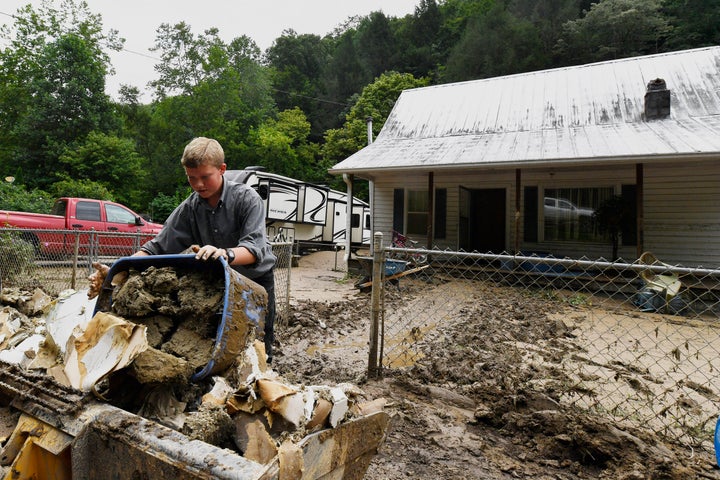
(376, 101)
(695, 23)
(417, 37)
(345, 75)
(52, 82)
(163, 205)
(455, 16)
(111, 162)
(188, 60)
(547, 16)
(376, 43)
(281, 146)
(81, 189)
(495, 43)
(614, 29)
(220, 91)
(296, 64)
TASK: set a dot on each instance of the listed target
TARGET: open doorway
(482, 220)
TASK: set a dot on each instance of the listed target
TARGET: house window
(568, 213)
(415, 203)
(417, 212)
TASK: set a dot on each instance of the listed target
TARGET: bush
(162, 206)
(17, 258)
(15, 197)
(81, 189)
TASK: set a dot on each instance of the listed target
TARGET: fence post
(375, 297)
(76, 252)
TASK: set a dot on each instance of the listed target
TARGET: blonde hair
(203, 151)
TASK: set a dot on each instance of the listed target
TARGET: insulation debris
(142, 354)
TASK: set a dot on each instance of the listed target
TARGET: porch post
(639, 202)
(518, 179)
(431, 210)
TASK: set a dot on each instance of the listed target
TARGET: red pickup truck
(116, 225)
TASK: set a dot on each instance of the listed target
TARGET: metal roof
(580, 114)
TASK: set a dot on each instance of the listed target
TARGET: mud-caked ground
(469, 406)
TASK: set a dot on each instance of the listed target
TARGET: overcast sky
(261, 20)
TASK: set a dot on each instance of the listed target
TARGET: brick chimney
(657, 100)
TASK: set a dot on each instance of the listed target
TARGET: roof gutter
(371, 172)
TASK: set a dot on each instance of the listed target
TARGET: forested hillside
(297, 108)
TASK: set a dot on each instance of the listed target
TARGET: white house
(519, 163)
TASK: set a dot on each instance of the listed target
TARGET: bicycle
(402, 241)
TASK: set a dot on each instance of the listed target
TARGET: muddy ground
(470, 408)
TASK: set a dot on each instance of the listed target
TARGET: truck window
(117, 214)
(60, 208)
(88, 211)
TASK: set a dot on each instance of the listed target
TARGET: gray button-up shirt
(237, 221)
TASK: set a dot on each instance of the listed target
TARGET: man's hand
(97, 279)
(209, 252)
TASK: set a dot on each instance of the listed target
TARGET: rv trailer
(311, 216)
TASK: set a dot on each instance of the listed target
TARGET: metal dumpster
(63, 434)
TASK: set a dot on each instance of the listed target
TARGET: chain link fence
(637, 341)
(57, 260)
(283, 268)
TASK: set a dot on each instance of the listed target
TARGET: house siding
(681, 226)
(682, 213)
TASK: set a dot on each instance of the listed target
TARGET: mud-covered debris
(28, 303)
(246, 406)
(252, 437)
(154, 366)
(161, 405)
(211, 424)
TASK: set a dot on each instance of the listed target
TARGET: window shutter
(399, 210)
(440, 212)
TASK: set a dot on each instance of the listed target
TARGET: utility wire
(313, 98)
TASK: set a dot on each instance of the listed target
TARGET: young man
(223, 218)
